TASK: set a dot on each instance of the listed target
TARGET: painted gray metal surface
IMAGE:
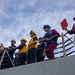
(60, 66)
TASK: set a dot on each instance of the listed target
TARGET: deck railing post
(63, 43)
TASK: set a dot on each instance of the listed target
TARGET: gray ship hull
(60, 66)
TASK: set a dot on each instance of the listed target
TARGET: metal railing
(69, 42)
(5, 60)
(62, 50)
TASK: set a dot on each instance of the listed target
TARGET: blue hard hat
(13, 41)
(46, 26)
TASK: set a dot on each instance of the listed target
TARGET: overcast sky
(19, 17)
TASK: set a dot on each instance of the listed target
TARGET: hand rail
(57, 51)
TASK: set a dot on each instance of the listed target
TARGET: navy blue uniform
(50, 34)
(51, 44)
(11, 51)
(40, 51)
(72, 31)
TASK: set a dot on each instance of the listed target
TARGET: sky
(19, 17)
